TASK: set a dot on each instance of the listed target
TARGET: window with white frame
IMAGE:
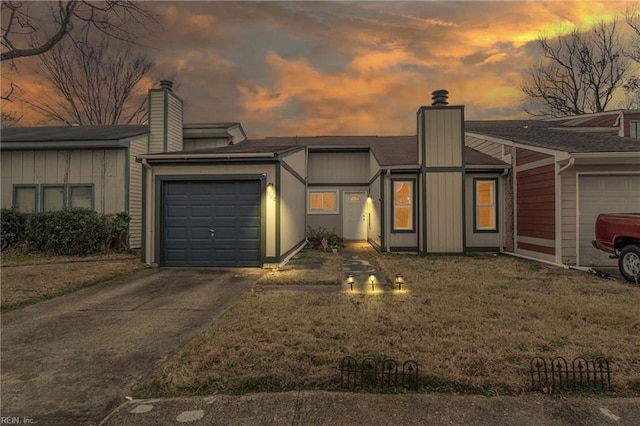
(323, 202)
(403, 205)
(485, 217)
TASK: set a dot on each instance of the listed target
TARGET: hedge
(66, 232)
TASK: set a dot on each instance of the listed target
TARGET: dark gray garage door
(211, 223)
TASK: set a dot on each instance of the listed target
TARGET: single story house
(53, 168)
(204, 195)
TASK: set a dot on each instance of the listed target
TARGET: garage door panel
(603, 194)
(192, 208)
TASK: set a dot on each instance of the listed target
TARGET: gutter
(570, 164)
(296, 251)
(204, 156)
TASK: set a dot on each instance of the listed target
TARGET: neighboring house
(562, 178)
(624, 123)
(53, 168)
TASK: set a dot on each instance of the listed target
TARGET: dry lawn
(309, 267)
(28, 279)
(472, 323)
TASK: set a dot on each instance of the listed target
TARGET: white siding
(174, 123)
(490, 148)
(373, 212)
(297, 161)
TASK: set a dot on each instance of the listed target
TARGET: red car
(619, 234)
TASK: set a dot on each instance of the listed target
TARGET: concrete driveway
(72, 359)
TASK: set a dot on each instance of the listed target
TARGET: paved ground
(337, 408)
(72, 359)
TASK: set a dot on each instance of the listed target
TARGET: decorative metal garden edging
(368, 374)
(581, 374)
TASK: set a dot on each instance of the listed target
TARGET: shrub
(11, 228)
(316, 235)
(66, 232)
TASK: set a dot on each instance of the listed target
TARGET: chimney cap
(439, 97)
(166, 84)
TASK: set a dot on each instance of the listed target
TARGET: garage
(603, 194)
(211, 223)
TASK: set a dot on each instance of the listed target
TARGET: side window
(25, 199)
(53, 197)
(403, 205)
(323, 202)
(81, 196)
(485, 205)
(634, 129)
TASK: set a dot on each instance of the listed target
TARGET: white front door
(355, 216)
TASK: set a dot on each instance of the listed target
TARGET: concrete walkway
(338, 408)
(72, 359)
(356, 262)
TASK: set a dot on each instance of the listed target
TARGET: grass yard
(31, 278)
(472, 323)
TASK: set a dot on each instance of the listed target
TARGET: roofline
(109, 143)
(585, 129)
(232, 155)
(608, 154)
(517, 144)
(590, 115)
(488, 166)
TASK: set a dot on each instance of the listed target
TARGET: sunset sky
(328, 68)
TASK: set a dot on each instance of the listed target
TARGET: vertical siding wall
(138, 147)
(374, 218)
(535, 201)
(444, 218)
(105, 168)
(338, 167)
(165, 121)
(444, 162)
(443, 138)
(627, 119)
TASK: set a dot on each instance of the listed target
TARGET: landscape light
(399, 281)
(350, 281)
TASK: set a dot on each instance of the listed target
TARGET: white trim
(593, 114)
(166, 156)
(534, 255)
(535, 164)
(558, 209)
(591, 155)
(515, 201)
(542, 242)
(323, 191)
(599, 173)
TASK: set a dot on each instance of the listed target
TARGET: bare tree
(28, 31)
(94, 83)
(632, 85)
(578, 73)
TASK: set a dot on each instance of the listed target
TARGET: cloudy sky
(349, 68)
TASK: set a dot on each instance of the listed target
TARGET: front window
(81, 197)
(323, 202)
(402, 205)
(485, 214)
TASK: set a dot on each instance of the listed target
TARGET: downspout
(387, 228)
(147, 246)
(558, 207)
(503, 209)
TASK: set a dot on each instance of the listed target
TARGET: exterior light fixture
(372, 278)
(399, 281)
(350, 281)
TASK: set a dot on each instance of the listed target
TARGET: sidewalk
(339, 408)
